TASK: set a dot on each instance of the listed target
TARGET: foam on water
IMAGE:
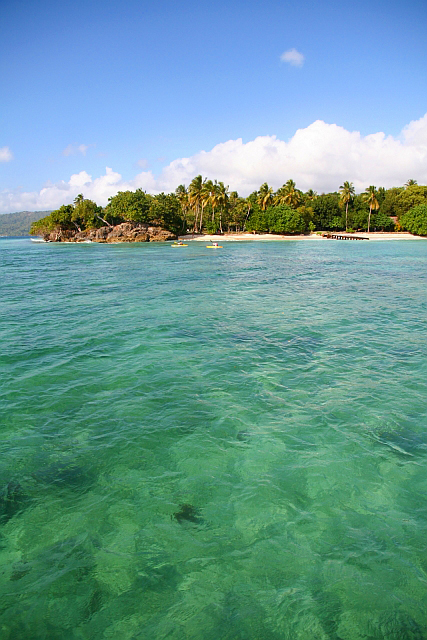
(227, 445)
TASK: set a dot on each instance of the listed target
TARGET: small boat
(214, 245)
(179, 244)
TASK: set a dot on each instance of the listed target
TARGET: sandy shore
(236, 237)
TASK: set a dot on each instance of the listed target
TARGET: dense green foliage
(164, 211)
(129, 206)
(18, 224)
(415, 220)
(208, 206)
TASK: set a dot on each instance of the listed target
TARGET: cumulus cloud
(5, 154)
(321, 157)
(293, 57)
(53, 195)
(74, 149)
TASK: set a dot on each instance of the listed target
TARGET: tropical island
(209, 207)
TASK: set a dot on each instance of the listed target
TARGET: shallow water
(226, 445)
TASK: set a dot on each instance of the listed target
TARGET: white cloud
(74, 149)
(5, 154)
(415, 133)
(51, 196)
(321, 157)
(142, 163)
(294, 57)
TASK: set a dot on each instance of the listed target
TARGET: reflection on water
(228, 446)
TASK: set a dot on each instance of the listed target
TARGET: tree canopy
(208, 206)
(415, 220)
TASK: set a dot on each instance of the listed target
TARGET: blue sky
(136, 86)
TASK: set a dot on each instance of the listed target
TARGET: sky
(99, 97)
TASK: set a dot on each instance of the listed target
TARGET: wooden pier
(340, 236)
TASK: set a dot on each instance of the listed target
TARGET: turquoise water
(213, 445)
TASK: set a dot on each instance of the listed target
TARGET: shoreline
(239, 237)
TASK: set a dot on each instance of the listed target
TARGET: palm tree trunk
(201, 218)
(246, 219)
(346, 217)
(369, 218)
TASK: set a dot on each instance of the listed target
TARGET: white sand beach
(238, 237)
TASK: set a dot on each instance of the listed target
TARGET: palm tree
(280, 195)
(249, 206)
(370, 196)
(410, 183)
(233, 201)
(265, 196)
(311, 195)
(288, 194)
(182, 195)
(214, 197)
(223, 192)
(78, 199)
(205, 198)
(195, 197)
(347, 192)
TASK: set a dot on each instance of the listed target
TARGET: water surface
(209, 445)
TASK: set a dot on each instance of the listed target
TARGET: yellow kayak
(213, 246)
(179, 245)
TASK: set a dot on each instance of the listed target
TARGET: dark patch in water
(20, 569)
(187, 513)
(243, 436)
(159, 578)
(397, 626)
(404, 442)
(328, 607)
(65, 474)
(67, 555)
(94, 604)
(12, 500)
(240, 618)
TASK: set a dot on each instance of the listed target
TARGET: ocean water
(216, 445)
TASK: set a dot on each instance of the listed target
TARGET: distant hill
(18, 224)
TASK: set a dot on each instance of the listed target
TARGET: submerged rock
(20, 570)
(12, 500)
(187, 513)
(65, 474)
(243, 436)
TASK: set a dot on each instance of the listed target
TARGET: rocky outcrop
(125, 232)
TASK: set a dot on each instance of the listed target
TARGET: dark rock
(101, 234)
(125, 232)
(187, 513)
